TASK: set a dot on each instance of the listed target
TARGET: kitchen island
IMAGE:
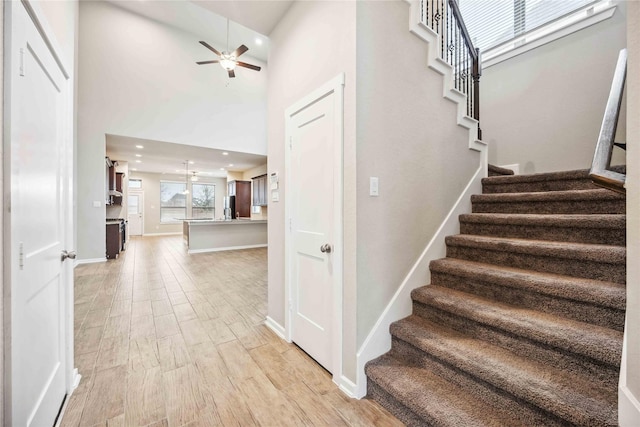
(206, 235)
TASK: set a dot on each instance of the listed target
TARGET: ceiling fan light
(227, 61)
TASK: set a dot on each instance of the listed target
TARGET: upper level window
(501, 26)
(173, 201)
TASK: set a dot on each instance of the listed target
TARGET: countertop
(224, 222)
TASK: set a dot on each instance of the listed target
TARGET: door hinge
(21, 256)
(290, 143)
(290, 224)
(22, 62)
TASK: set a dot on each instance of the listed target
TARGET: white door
(135, 202)
(37, 123)
(314, 139)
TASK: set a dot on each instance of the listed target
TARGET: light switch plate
(373, 186)
(96, 203)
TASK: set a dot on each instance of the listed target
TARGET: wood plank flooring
(167, 339)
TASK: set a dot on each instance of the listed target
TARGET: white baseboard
(277, 328)
(348, 387)
(378, 341)
(628, 408)
(89, 261)
(230, 248)
(76, 379)
(175, 233)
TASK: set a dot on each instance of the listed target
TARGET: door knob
(67, 254)
(326, 248)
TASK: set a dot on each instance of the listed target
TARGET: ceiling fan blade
(245, 65)
(231, 73)
(212, 49)
(207, 62)
(239, 51)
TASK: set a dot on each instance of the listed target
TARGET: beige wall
(630, 360)
(386, 134)
(543, 108)
(151, 189)
(407, 137)
(312, 44)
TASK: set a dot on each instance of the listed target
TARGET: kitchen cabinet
(241, 192)
(260, 190)
(114, 239)
(117, 200)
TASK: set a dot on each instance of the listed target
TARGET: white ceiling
(250, 21)
(168, 158)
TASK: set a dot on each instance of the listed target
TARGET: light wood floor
(163, 338)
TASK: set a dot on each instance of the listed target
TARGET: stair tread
(544, 176)
(549, 220)
(597, 292)
(583, 251)
(545, 196)
(432, 397)
(564, 394)
(596, 342)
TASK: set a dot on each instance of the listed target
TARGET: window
(173, 201)
(135, 183)
(499, 26)
(203, 200)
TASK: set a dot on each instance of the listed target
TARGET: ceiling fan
(228, 60)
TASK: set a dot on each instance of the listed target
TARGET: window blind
(493, 22)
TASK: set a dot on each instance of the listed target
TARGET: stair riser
(577, 310)
(528, 413)
(391, 404)
(566, 266)
(551, 207)
(598, 236)
(564, 359)
(530, 187)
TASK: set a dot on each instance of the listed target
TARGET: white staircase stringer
(436, 63)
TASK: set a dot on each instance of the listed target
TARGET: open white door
(39, 164)
(314, 205)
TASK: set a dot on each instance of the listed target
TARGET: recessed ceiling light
(258, 41)
(139, 146)
(221, 169)
(230, 164)
(191, 162)
(138, 155)
(178, 170)
(134, 169)
(224, 153)
(138, 161)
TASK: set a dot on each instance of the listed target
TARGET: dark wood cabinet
(117, 200)
(260, 190)
(242, 192)
(114, 239)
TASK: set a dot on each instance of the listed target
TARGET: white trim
(348, 387)
(419, 29)
(548, 33)
(628, 408)
(277, 328)
(378, 341)
(230, 248)
(89, 261)
(173, 233)
(335, 86)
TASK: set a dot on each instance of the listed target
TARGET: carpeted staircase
(522, 323)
